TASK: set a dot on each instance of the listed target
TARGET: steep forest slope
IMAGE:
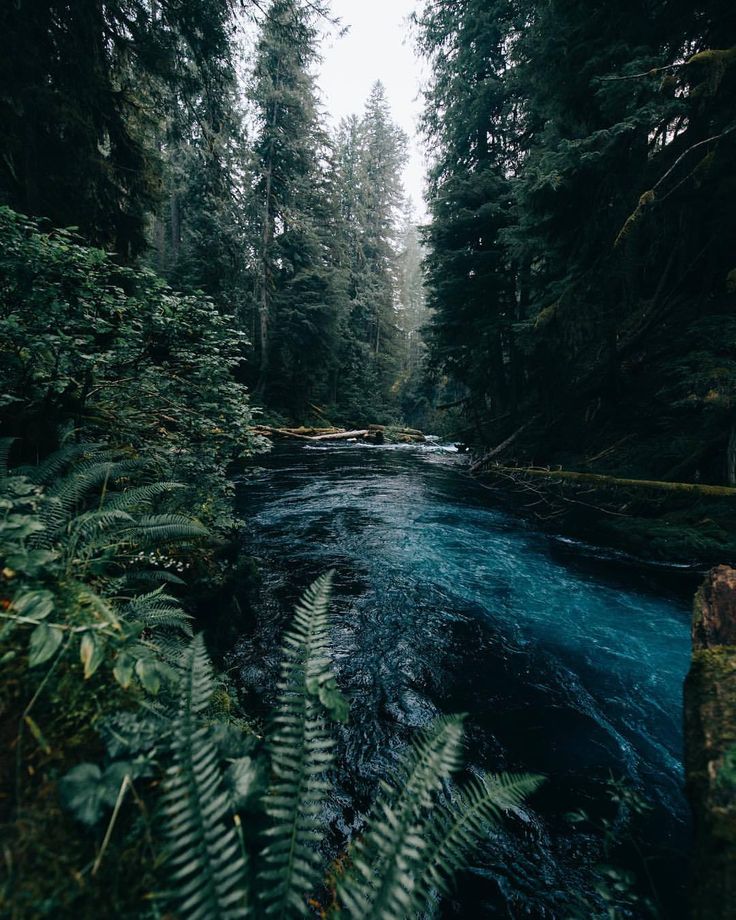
(582, 265)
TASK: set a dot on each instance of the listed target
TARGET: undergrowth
(133, 785)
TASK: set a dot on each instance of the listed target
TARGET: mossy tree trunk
(710, 746)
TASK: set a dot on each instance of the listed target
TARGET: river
(567, 663)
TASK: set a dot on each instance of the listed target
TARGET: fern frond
(170, 646)
(92, 528)
(150, 576)
(382, 881)
(157, 529)
(67, 493)
(51, 468)
(301, 754)
(140, 496)
(157, 609)
(205, 862)
(455, 831)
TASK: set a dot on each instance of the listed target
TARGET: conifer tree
(81, 105)
(371, 153)
(582, 197)
(295, 288)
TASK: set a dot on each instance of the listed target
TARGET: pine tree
(371, 153)
(581, 199)
(81, 102)
(467, 122)
(295, 290)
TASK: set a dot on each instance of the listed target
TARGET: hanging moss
(644, 201)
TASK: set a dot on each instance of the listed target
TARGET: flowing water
(567, 664)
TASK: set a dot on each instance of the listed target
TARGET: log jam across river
(567, 664)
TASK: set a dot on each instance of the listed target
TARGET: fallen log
(269, 432)
(599, 479)
(373, 434)
(501, 448)
(341, 435)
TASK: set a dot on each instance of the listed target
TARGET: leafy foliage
(116, 354)
(81, 106)
(411, 846)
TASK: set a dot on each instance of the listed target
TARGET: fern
(49, 470)
(158, 609)
(387, 863)
(140, 496)
(66, 494)
(414, 845)
(206, 865)
(454, 832)
(301, 753)
(167, 528)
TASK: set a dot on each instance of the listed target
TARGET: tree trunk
(265, 274)
(710, 746)
(731, 457)
(175, 227)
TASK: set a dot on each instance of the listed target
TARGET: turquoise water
(567, 663)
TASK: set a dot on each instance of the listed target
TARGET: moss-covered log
(372, 434)
(710, 746)
(615, 482)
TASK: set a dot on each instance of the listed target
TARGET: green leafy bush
(114, 353)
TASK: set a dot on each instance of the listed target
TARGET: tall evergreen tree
(467, 122)
(296, 284)
(199, 236)
(371, 153)
(80, 106)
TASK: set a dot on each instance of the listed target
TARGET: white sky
(377, 47)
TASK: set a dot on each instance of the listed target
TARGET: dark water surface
(566, 663)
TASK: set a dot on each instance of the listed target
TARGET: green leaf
(123, 670)
(82, 793)
(35, 605)
(334, 701)
(91, 653)
(148, 675)
(87, 792)
(37, 734)
(44, 642)
(31, 562)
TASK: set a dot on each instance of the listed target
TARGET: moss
(713, 56)
(633, 219)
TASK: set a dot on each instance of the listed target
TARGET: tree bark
(731, 457)
(710, 746)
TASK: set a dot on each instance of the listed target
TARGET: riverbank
(693, 527)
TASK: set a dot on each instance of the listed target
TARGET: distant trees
(296, 281)
(582, 199)
(130, 122)
(371, 153)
